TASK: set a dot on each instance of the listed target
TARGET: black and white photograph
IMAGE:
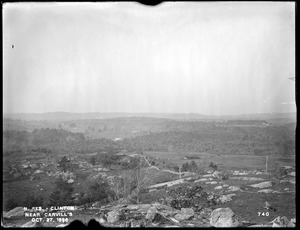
(122, 114)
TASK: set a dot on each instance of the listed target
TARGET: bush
(63, 163)
(108, 159)
(213, 166)
(93, 160)
(62, 194)
(176, 168)
(189, 167)
(98, 192)
(277, 172)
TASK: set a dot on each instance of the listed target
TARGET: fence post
(179, 172)
(267, 158)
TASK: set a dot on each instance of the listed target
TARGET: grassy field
(224, 162)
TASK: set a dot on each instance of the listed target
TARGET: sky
(212, 58)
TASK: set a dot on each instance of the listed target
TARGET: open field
(224, 162)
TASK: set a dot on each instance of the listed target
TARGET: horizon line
(157, 113)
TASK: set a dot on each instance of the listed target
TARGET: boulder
(217, 175)
(97, 204)
(207, 175)
(151, 213)
(246, 178)
(293, 220)
(225, 198)
(233, 188)
(61, 225)
(276, 225)
(186, 213)
(219, 187)
(33, 166)
(223, 217)
(243, 174)
(267, 190)
(160, 219)
(236, 173)
(174, 220)
(133, 207)
(38, 171)
(113, 216)
(18, 211)
(282, 222)
(262, 185)
(136, 223)
(211, 182)
(70, 181)
(292, 181)
(101, 220)
(31, 224)
(292, 174)
(205, 212)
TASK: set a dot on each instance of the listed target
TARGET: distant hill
(63, 116)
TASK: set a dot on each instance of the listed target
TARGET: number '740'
(263, 213)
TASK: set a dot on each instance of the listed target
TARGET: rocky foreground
(242, 199)
(186, 206)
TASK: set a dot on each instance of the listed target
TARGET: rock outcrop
(18, 211)
(223, 217)
(262, 185)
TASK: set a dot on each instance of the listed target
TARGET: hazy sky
(210, 58)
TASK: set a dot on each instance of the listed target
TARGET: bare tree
(129, 186)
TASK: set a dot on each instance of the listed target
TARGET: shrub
(189, 167)
(185, 167)
(193, 166)
(98, 192)
(277, 172)
(108, 159)
(176, 168)
(93, 160)
(62, 194)
(213, 166)
(63, 163)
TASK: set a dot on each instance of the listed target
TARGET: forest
(181, 136)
